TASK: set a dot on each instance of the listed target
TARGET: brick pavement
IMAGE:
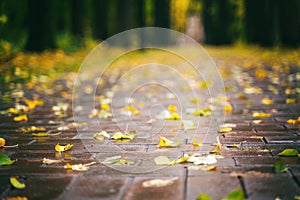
(249, 167)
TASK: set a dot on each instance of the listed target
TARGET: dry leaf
(121, 136)
(202, 160)
(218, 149)
(33, 103)
(14, 181)
(195, 143)
(132, 109)
(60, 148)
(50, 161)
(267, 101)
(162, 160)
(261, 115)
(174, 116)
(227, 108)
(172, 108)
(2, 142)
(158, 182)
(15, 198)
(164, 142)
(21, 118)
(101, 135)
(225, 130)
(105, 106)
(79, 167)
(290, 101)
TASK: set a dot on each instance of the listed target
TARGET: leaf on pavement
(117, 160)
(105, 106)
(289, 153)
(5, 160)
(14, 181)
(21, 118)
(41, 134)
(294, 121)
(236, 194)
(79, 167)
(267, 101)
(225, 130)
(290, 101)
(261, 115)
(195, 143)
(103, 114)
(164, 142)
(50, 161)
(101, 135)
(33, 103)
(205, 112)
(32, 129)
(2, 144)
(158, 182)
(195, 100)
(218, 149)
(60, 148)
(162, 161)
(174, 116)
(122, 136)
(227, 108)
(15, 198)
(203, 197)
(279, 167)
(183, 159)
(132, 109)
(172, 108)
(197, 159)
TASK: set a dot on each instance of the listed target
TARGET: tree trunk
(77, 18)
(40, 26)
(100, 28)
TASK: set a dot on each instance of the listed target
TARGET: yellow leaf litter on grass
(294, 121)
(21, 118)
(164, 142)
(60, 148)
(261, 115)
(267, 101)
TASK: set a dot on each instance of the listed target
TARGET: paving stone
(211, 183)
(271, 186)
(172, 191)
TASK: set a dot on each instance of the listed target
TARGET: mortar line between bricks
(294, 178)
(185, 183)
(127, 187)
(243, 186)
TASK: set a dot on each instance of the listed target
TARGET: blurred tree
(162, 13)
(100, 19)
(218, 18)
(77, 18)
(140, 14)
(289, 22)
(40, 25)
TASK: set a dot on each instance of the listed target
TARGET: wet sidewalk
(255, 130)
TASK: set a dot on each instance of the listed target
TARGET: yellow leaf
(79, 167)
(50, 161)
(60, 148)
(164, 142)
(68, 166)
(162, 160)
(202, 112)
(267, 101)
(195, 100)
(172, 108)
(158, 182)
(15, 198)
(13, 110)
(290, 101)
(21, 118)
(261, 115)
(32, 129)
(174, 116)
(33, 103)
(225, 130)
(15, 182)
(260, 74)
(227, 108)
(42, 134)
(211, 168)
(204, 84)
(101, 135)
(121, 136)
(218, 149)
(132, 109)
(183, 159)
(2, 142)
(196, 144)
(105, 106)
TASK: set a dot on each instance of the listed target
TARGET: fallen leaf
(21, 118)
(279, 167)
(172, 108)
(32, 129)
(79, 167)
(50, 161)
(225, 130)
(267, 101)
(204, 84)
(132, 109)
(103, 114)
(203, 197)
(257, 121)
(206, 112)
(261, 115)
(14, 181)
(15, 198)
(158, 182)
(188, 125)
(105, 106)
(5, 160)
(2, 142)
(101, 135)
(183, 159)
(290, 101)
(60, 148)
(202, 160)
(289, 153)
(121, 136)
(195, 100)
(195, 143)
(12, 111)
(33, 103)
(174, 116)
(253, 90)
(162, 160)
(117, 160)
(294, 121)
(227, 108)
(164, 142)
(236, 194)
(218, 149)
(42, 134)
(163, 114)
